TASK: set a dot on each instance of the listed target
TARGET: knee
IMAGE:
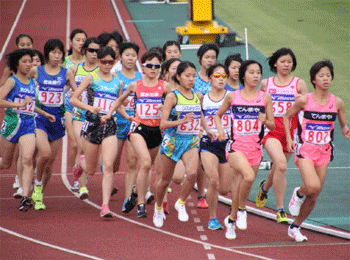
(145, 165)
(131, 163)
(249, 178)
(314, 189)
(27, 160)
(280, 166)
(214, 182)
(224, 190)
(177, 179)
(107, 168)
(192, 175)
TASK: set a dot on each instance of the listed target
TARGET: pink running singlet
(247, 129)
(315, 130)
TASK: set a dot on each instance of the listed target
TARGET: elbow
(273, 126)
(161, 126)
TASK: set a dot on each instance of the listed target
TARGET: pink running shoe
(202, 203)
(105, 212)
(77, 169)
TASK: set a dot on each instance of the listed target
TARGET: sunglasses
(105, 62)
(218, 75)
(151, 66)
(92, 50)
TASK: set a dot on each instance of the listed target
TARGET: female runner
(23, 41)
(97, 132)
(18, 126)
(51, 79)
(313, 148)
(145, 135)
(183, 108)
(283, 89)
(212, 151)
(233, 63)
(251, 112)
(171, 49)
(128, 53)
(90, 65)
(75, 56)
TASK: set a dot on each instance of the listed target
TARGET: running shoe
(181, 209)
(166, 208)
(105, 212)
(281, 217)
(75, 187)
(169, 190)
(114, 191)
(39, 205)
(16, 184)
(261, 199)
(295, 203)
(83, 193)
(241, 222)
(19, 193)
(37, 193)
(25, 204)
(77, 169)
(149, 197)
(130, 202)
(296, 235)
(230, 229)
(158, 217)
(214, 224)
(202, 203)
(141, 211)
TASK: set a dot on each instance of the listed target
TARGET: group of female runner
(194, 125)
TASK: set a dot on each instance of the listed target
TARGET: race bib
(104, 101)
(318, 133)
(51, 98)
(190, 128)
(147, 107)
(245, 126)
(131, 104)
(281, 103)
(27, 109)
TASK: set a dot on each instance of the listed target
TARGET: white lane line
(68, 23)
(48, 244)
(193, 212)
(122, 25)
(12, 29)
(292, 244)
(207, 247)
(197, 220)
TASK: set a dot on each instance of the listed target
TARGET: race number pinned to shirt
(148, 107)
(104, 101)
(318, 133)
(281, 103)
(51, 97)
(27, 109)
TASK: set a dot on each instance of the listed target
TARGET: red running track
(72, 229)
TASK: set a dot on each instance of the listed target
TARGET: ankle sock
(299, 196)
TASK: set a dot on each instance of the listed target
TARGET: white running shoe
(158, 218)
(230, 233)
(75, 187)
(295, 233)
(16, 184)
(149, 197)
(295, 203)
(19, 193)
(181, 209)
(241, 221)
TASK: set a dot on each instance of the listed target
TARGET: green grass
(313, 29)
